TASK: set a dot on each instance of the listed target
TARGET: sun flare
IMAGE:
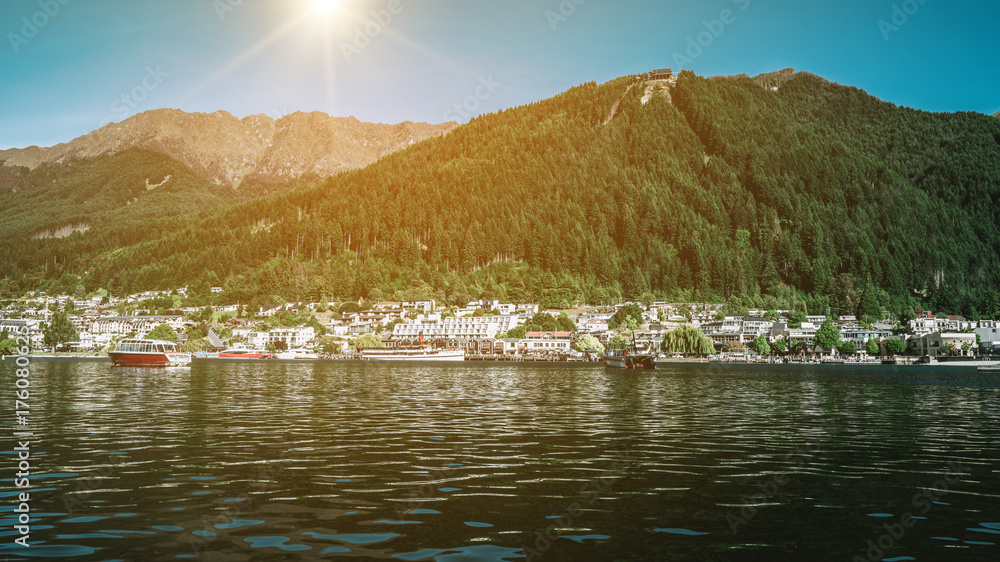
(325, 6)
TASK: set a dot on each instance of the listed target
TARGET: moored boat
(240, 353)
(628, 357)
(148, 353)
(413, 354)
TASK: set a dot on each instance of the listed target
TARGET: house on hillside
(661, 74)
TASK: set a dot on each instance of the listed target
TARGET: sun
(325, 6)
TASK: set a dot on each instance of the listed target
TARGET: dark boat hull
(629, 362)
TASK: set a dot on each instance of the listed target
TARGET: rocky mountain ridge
(231, 151)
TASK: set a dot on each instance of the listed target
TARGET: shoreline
(666, 362)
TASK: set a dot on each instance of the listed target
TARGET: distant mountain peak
(231, 151)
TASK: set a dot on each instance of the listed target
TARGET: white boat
(297, 354)
(413, 354)
(148, 353)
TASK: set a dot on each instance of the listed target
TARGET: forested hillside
(134, 185)
(730, 189)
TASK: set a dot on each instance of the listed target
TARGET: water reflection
(505, 462)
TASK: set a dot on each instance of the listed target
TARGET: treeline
(727, 191)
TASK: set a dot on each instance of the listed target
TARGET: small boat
(240, 353)
(296, 354)
(628, 357)
(413, 354)
(148, 353)
(990, 368)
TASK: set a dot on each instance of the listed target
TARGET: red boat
(148, 353)
(244, 354)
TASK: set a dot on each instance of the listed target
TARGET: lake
(473, 461)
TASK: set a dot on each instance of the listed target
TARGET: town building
(860, 335)
(138, 325)
(989, 336)
(931, 344)
(547, 342)
(465, 327)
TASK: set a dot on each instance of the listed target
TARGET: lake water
(268, 461)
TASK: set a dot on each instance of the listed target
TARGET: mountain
(124, 190)
(782, 191)
(229, 151)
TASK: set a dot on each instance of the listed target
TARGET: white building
(804, 333)
(754, 326)
(859, 335)
(467, 327)
(931, 344)
(138, 325)
(927, 325)
(989, 335)
(291, 337)
(425, 307)
(593, 326)
(546, 342)
(14, 328)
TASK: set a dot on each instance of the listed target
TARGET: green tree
(828, 336)
(58, 330)
(617, 341)
(319, 328)
(367, 341)
(628, 317)
(871, 347)
(587, 342)
(514, 333)
(545, 322)
(780, 345)
(907, 315)
(761, 345)
(194, 345)
(565, 323)
(948, 349)
(846, 347)
(162, 332)
(733, 346)
(687, 339)
(795, 319)
(8, 346)
(798, 346)
(842, 293)
(895, 346)
(199, 330)
(330, 347)
(869, 310)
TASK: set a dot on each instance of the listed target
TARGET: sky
(68, 67)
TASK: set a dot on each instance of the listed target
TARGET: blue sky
(69, 66)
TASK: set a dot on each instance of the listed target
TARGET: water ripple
(494, 462)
